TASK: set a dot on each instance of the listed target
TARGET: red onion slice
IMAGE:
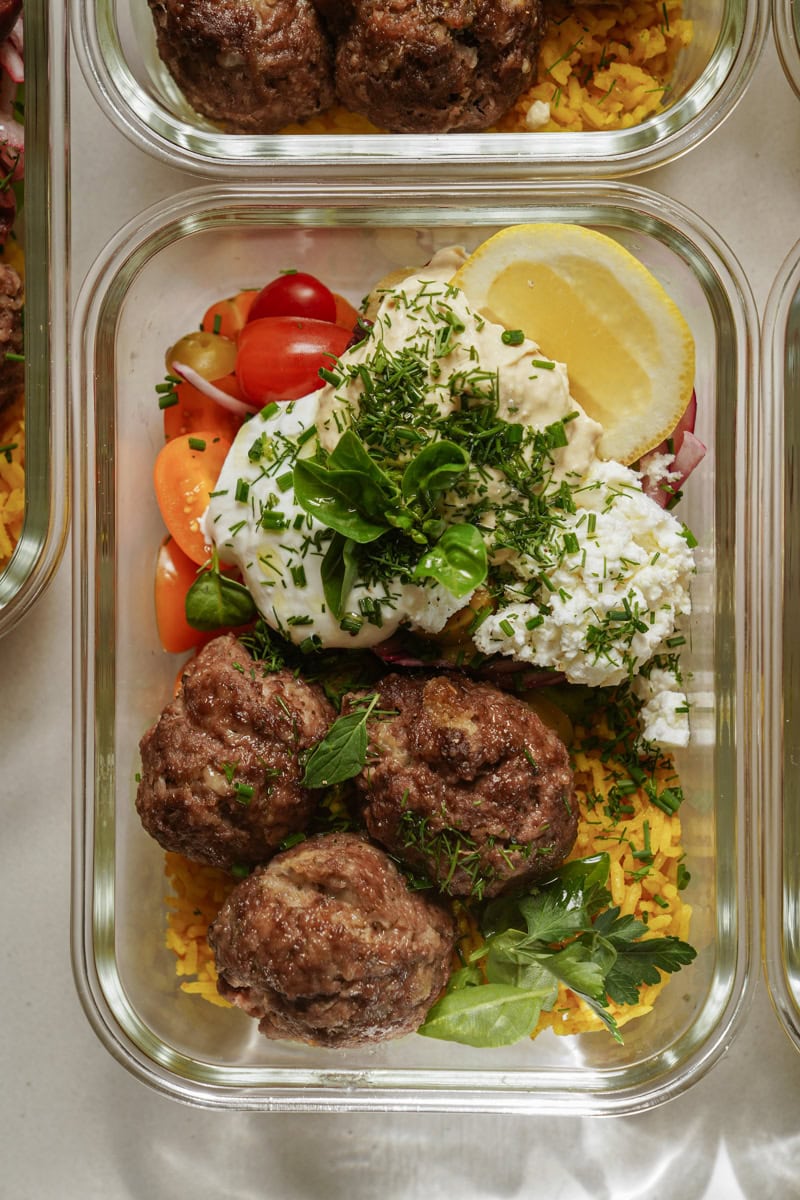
(682, 461)
(214, 393)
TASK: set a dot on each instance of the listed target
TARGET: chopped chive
(168, 400)
(512, 337)
(196, 443)
(242, 493)
(543, 364)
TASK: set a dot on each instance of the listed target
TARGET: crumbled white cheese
(537, 115)
(613, 599)
(664, 715)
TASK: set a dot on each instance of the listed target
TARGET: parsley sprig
(565, 931)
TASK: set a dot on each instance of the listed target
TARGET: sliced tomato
(186, 471)
(229, 316)
(280, 357)
(295, 294)
(195, 411)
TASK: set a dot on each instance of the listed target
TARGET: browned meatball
(12, 370)
(327, 945)
(220, 780)
(466, 784)
(439, 66)
(251, 66)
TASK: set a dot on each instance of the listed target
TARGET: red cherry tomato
(279, 357)
(295, 294)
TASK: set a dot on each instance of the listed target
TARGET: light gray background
(74, 1124)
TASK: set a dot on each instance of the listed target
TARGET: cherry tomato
(229, 317)
(280, 357)
(295, 294)
(346, 316)
(186, 471)
(175, 574)
(211, 355)
(195, 411)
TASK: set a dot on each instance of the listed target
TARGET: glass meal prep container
(143, 292)
(781, 680)
(42, 219)
(115, 44)
(786, 31)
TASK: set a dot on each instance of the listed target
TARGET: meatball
(12, 370)
(466, 784)
(251, 66)
(221, 773)
(441, 66)
(327, 945)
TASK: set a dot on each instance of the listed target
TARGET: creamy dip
(588, 573)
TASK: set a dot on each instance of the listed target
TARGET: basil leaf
(458, 560)
(495, 1014)
(214, 600)
(434, 470)
(342, 752)
(350, 454)
(339, 570)
(343, 500)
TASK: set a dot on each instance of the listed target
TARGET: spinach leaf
(215, 600)
(433, 471)
(458, 560)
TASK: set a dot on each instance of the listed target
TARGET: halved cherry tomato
(280, 357)
(346, 316)
(229, 317)
(186, 471)
(294, 294)
(175, 574)
(195, 411)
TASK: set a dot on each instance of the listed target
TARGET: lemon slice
(589, 303)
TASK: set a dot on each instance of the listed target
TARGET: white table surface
(74, 1124)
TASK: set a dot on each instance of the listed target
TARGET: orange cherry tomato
(346, 316)
(229, 316)
(186, 471)
(175, 574)
(195, 410)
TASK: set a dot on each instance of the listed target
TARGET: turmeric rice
(601, 67)
(12, 449)
(646, 877)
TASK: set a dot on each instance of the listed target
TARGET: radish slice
(214, 393)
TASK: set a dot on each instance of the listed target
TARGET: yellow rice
(198, 892)
(12, 462)
(601, 67)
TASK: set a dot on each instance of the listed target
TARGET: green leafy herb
(215, 600)
(434, 470)
(563, 931)
(343, 751)
(458, 560)
(339, 570)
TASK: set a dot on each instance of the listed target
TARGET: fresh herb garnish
(215, 600)
(342, 753)
(565, 931)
